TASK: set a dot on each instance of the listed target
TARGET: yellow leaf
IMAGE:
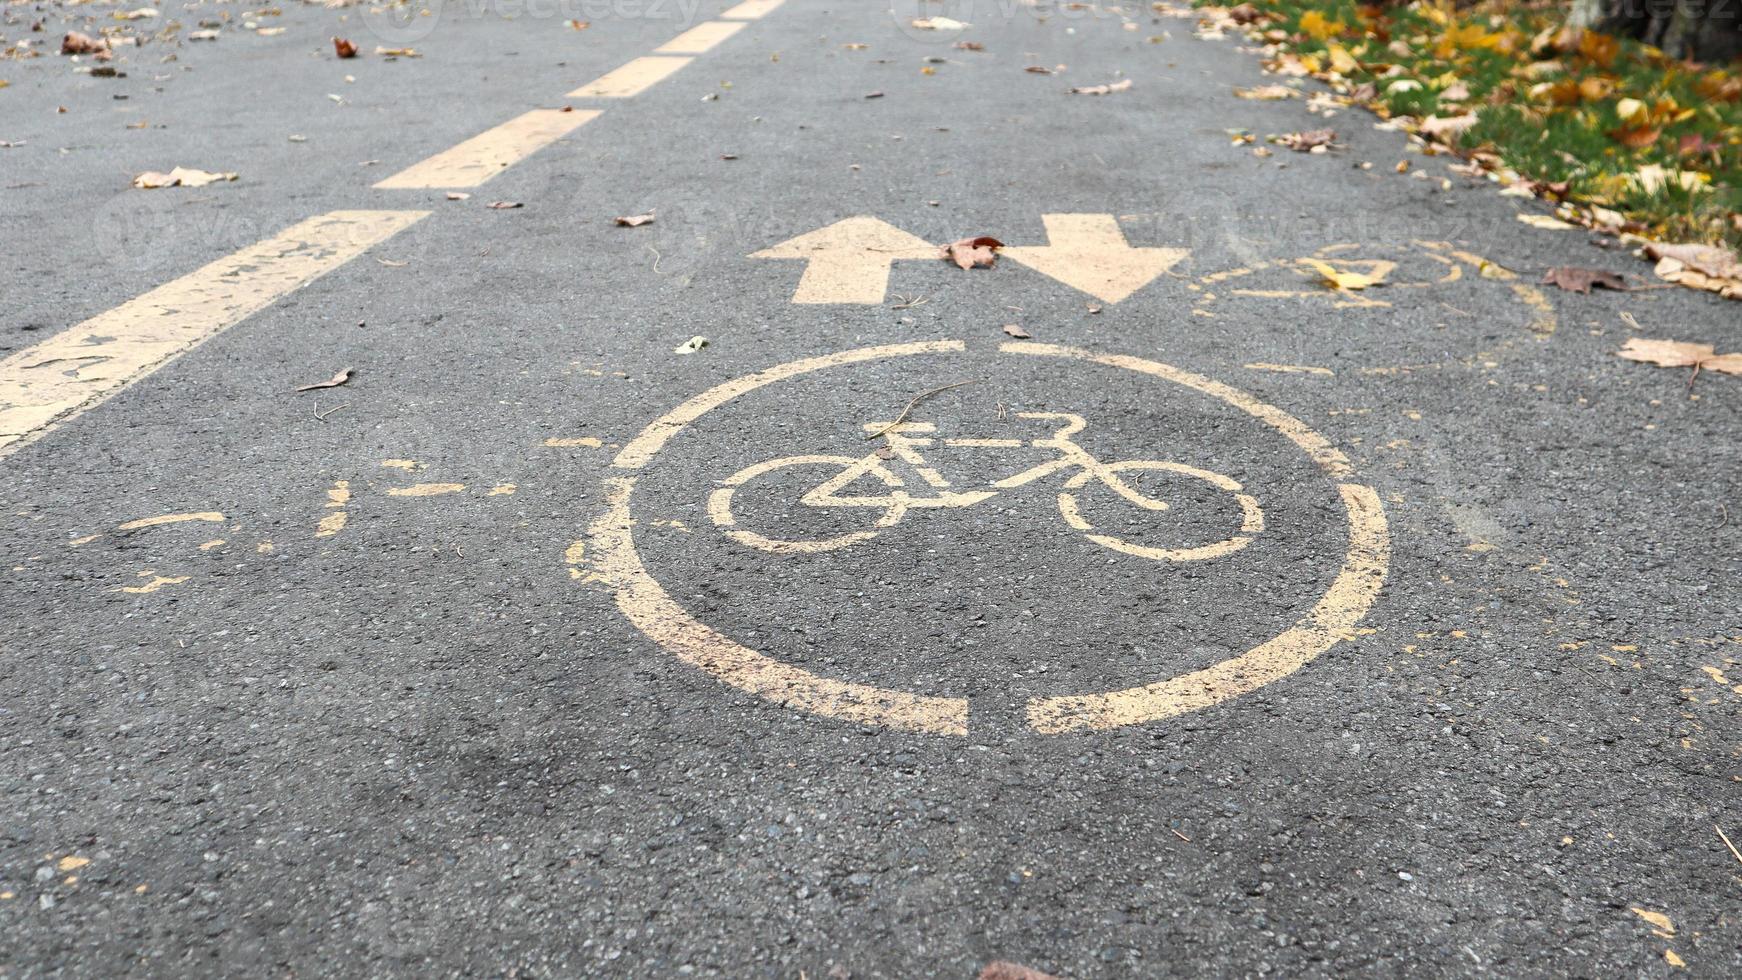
(1629, 109)
(1314, 24)
(1342, 62)
(1331, 276)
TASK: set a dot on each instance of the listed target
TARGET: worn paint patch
(503, 490)
(426, 490)
(332, 524)
(157, 582)
(210, 516)
(588, 441)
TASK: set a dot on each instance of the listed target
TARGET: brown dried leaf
(1636, 137)
(1312, 139)
(1267, 93)
(1675, 353)
(504, 205)
(1108, 89)
(969, 46)
(635, 221)
(76, 43)
(332, 382)
(1012, 330)
(344, 48)
(970, 252)
(1575, 280)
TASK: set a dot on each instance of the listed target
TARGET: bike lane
(430, 733)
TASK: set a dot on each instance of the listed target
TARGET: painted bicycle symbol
(892, 502)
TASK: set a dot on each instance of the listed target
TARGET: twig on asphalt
(321, 416)
(656, 258)
(922, 396)
(1181, 836)
(1733, 852)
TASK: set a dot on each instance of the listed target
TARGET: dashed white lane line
(753, 9)
(75, 370)
(632, 79)
(492, 151)
(702, 38)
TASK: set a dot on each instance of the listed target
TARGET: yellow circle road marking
(653, 611)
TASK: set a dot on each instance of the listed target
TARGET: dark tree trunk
(1703, 30)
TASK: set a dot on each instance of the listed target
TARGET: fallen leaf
(140, 14)
(1575, 280)
(1337, 279)
(344, 48)
(76, 43)
(1707, 260)
(635, 221)
(690, 346)
(203, 36)
(969, 46)
(179, 177)
(1636, 137)
(1309, 141)
(1675, 353)
(1267, 93)
(577, 25)
(873, 95)
(939, 24)
(1109, 89)
(970, 252)
(1547, 222)
(1012, 330)
(1449, 126)
(1038, 70)
(397, 52)
(332, 382)
(458, 195)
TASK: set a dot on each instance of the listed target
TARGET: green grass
(1548, 107)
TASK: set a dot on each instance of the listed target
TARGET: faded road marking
(157, 582)
(209, 516)
(653, 611)
(701, 38)
(75, 370)
(1343, 605)
(753, 9)
(426, 490)
(489, 153)
(662, 619)
(630, 80)
(848, 261)
(640, 451)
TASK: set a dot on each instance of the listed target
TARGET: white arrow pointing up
(1088, 252)
(848, 261)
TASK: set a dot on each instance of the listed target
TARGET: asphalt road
(472, 666)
